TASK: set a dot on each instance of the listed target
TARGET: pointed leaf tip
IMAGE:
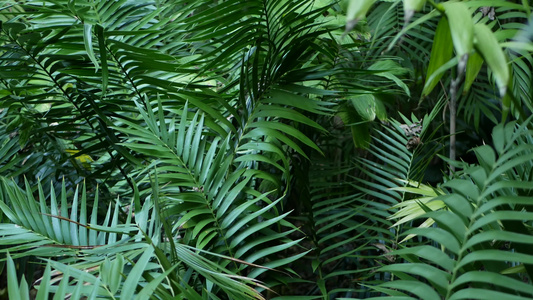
(410, 7)
(487, 45)
(357, 10)
(88, 41)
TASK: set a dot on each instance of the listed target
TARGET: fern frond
(96, 250)
(208, 196)
(485, 229)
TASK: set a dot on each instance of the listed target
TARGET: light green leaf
(44, 286)
(365, 105)
(461, 29)
(482, 294)
(410, 7)
(434, 275)
(148, 290)
(357, 10)
(391, 70)
(134, 276)
(422, 290)
(488, 46)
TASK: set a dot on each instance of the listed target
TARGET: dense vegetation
(266, 149)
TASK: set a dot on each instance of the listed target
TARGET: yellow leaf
(83, 158)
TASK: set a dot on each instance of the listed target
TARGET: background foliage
(265, 149)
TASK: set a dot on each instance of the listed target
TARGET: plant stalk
(454, 87)
(453, 119)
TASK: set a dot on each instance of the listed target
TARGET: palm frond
(61, 92)
(483, 232)
(96, 249)
(348, 215)
(211, 202)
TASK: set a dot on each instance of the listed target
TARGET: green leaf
(12, 280)
(134, 276)
(461, 29)
(436, 276)
(44, 287)
(441, 52)
(390, 70)
(148, 290)
(88, 41)
(361, 135)
(492, 52)
(481, 294)
(475, 62)
(410, 7)
(103, 57)
(423, 291)
(357, 10)
(365, 105)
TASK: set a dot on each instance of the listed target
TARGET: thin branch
(454, 86)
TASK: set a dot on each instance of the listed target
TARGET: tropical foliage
(261, 149)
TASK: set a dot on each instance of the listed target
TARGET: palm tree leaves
(93, 251)
(217, 145)
(337, 230)
(219, 110)
(274, 27)
(59, 227)
(131, 49)
(271, 79)
(22, 291)
(64, 58)
(208, 194)
(348, 218)
(485, 217)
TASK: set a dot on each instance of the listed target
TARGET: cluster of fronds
(216, 146)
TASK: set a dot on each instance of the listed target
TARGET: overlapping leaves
(480, 243)
(210, 201)
(105, 258)
(349, 223)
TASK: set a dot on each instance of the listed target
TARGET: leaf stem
(436, 6)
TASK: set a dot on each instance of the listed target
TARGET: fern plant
(478, 248)
(132, 97)
(241, 140)
(113, 257)
(347, 221)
